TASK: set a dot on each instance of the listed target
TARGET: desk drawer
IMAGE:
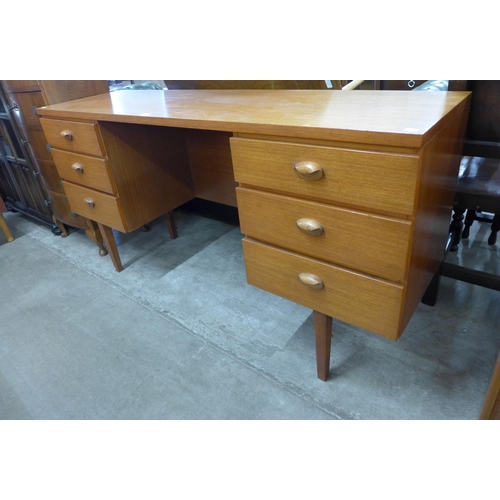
(358, 240)
(95, 205)
(366, 179)
(80, 137)
(85, 170)
(360, 300)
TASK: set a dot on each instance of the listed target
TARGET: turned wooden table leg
(109, 240)
(456, 227)
(60, 225)
(95, 235)
(323, 337)
(171, 225)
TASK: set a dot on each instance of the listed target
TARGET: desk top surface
(376, 117)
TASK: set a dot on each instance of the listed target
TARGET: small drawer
(354, 298)
(85, 170)
(95, 205)
(366, 179)
(80, 137)
(369, 243)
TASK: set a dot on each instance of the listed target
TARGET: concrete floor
(180, 335)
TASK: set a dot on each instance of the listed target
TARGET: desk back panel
(211, 166)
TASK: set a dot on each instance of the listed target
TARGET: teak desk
(344, 197)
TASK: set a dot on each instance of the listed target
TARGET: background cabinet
(400, 84)
(20, 183)
(30, 182)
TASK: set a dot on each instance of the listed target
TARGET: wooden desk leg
(109, 240)
(171, 225)
(491, 404)
(323, 338)
(5, 228)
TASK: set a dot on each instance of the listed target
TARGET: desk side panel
(437, 181)
(150, 168)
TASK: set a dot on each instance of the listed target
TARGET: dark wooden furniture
(20, 184)
(248, 84)
(481, 151)
(478, 188)
(478, 191)
(23, 97)
(400, 84)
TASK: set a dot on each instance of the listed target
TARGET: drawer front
(80, 137)
(365, 242)
(357, 299)
(85, 170)
(95, 205)
(366, 179)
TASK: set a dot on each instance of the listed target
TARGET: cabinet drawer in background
(358, 240)
(360, 300)
(366, 179)
(85, 170)
(24, 104)
(95, 205)
(60, 207)
(80, 137)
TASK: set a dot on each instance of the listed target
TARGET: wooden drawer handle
(67, 134)
(311, 280)
(310, 226)
(308, 170)
(77, 167)
(89, 202)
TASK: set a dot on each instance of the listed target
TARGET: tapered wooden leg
(5, 228)
(60, 225)
(109, 240)
(491, 403)
(171, 225)
(323, 337)
(95, 235)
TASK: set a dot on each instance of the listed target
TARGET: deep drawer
(85, 170)
(360, 300)
(80, 137)
(358, 240)
(95, 205)
(366, 179)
